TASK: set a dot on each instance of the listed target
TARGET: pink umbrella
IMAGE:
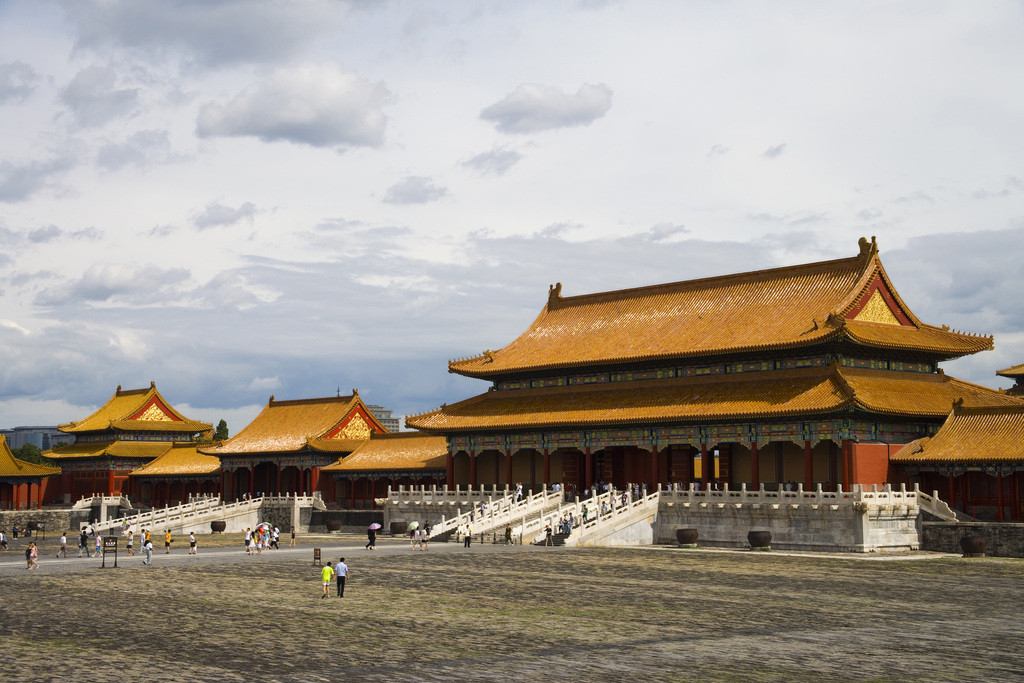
(375, 526)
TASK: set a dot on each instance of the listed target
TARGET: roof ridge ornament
(867, 249)
(554, 292)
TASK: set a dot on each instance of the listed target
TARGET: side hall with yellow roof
(284, 449)
(809, 374)
(388, 460)
(131, 429)
(17, 479)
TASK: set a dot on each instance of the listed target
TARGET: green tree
(221, 433)
(30, 453)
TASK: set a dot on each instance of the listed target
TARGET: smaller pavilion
(403, 459)
(132, 428)
(1016, 373)
(975, 461)
(181, 471)
(283, 450)
(17, 479)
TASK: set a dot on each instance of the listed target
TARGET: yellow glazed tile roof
(137, 410)
(1013, 371)
(182, 459)
(402, 451)
(748, 312)
(112, 449)
(288, 426)
(984, 434)
(791, 393)
(80, 450)
(13, 467)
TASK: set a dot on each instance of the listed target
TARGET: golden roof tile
(80, 450)
(289, 426)
(790, 393)
(1013, 372)
(136, 410)
(763, 310)
(404, 451)
(13, 467)
(980, 434)
(182, 459)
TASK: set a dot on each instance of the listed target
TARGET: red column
(508, 467)
(472, 469)
(547, 466)
(351, 494)
(654, 468)
(844, 459)
(278, 492)
(17, 496)
(707, 467)
(223, 489)
(533, 468)
(755, 466)
(999, 497)
(449, 466)
(808, 467)
(589, 468)
(252, 482)
(315, 475)
(110, 483)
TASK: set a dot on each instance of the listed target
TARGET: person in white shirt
(341, 573)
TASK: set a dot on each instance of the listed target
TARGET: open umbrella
(375, 526)
(413, 526)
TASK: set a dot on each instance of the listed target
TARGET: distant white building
(44, 438)
(383, 415)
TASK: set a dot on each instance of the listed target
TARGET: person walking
(292, 542)
(167, 542)
(30, 555)
(341, 571)
(547, 535)
(469, 537)
(63, 546)
(192, 544)
(99, 543)
(148, 547)
(130, 543)
(83, 543)
(371, 536)
(325, 577)
(3, 540)
(508, 534)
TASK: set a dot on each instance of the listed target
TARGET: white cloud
(210, 33)
(320, 105)
(17, 81)
(264, 384)
(414, 190)
(94, 100)
(532, 108)
(775, 151)
(217, 215)
(117, 282)
(18, 182)
(496, 162)
(141, 149)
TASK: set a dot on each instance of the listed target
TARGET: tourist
(275, 538)
(130, 544)
(3, 541)
(547, 535)
(30, 555)
(167, 542)
(259, 541)
(83, 544)
(468, 537)
(145, 536)
(148, 547)
(63, 545)
(14, 530)
(325, 577)
(293, 537)
(371, 538)
(341, 571)
(99, 543)
(508, 534)
(192, 544)
(249, 545)
(585, 512)
(415, 536)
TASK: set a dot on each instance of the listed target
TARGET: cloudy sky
(243, 198)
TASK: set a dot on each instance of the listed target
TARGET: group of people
(420, 536)
(339, 571)
(263, 537)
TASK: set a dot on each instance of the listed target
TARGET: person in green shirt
(326, 574)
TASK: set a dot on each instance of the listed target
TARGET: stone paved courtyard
(496, 613)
